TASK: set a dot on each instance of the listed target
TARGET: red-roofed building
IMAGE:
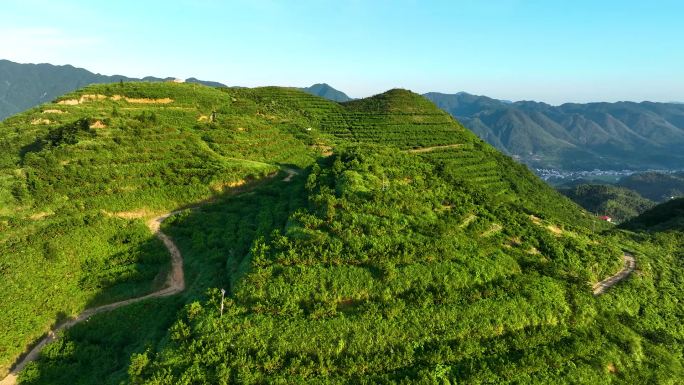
(606, 218)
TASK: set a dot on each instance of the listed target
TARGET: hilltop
(400, 248)
(568, 137)
(23, 86)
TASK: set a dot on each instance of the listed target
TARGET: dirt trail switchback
(175, 283)
(630, 265)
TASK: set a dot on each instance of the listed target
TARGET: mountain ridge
(25, 85)
(326, 91)
(570, 136)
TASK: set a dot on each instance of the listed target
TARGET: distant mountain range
(325, 91)
(623, 135)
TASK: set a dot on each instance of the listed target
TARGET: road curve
(175, 283)
(630, 265)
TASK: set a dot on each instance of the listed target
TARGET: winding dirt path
(630, 265)
(175, 283)
(290, 174)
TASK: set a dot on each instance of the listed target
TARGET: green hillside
(617, 202)
(71, 174)
(665, 216)
(406, 250)
(23, 86)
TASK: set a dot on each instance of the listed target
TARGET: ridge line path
(630, 264)
(175, 283)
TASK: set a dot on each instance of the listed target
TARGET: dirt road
(630, 265)
(175, 283)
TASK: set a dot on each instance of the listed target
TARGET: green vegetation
(70, 175)
(207, 235)
(617, 202)
(23, 86)
(666, 216)
(381, 279)
(98, 351)
(376, 264)
(654, 185)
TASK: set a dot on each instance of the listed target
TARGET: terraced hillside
(402, 248)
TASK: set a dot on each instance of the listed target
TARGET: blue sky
(552, 51)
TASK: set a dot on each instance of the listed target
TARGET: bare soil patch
(133, 214)
(40, 121)
(98, 124)
(41, 215)
(147, 100)
(492, 230)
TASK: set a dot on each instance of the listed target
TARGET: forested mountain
(325, 91)
(668, 216)
(619, 203)
(23, 86)
(372, 241)
(623, 135)
(654, 185)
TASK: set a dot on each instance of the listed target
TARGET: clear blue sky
(553, 51)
